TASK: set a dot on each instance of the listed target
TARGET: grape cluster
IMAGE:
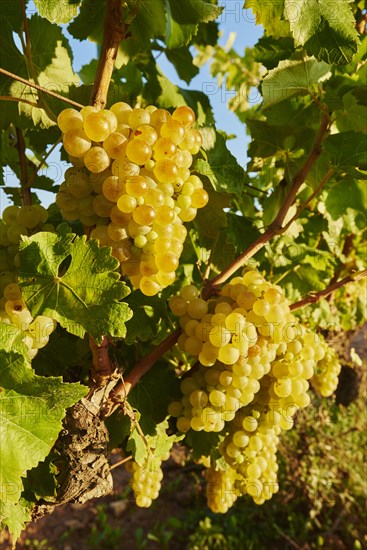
(13, 310)
(131, 178)
(325, 379)
(221, 492)
(254, 364)
(146, 479)
(18, 221)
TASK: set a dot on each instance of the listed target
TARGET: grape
(138, 151)
(10, 215)
(96, 159)
(70, 119)
(138, 117)
(165, 170)
(112, 188)
(76, 143)
(164, 148)
(122, 112)
(115, 145)
(146, 133)
(28, 216)
(97, 126)
(173, 130)
(185, 115)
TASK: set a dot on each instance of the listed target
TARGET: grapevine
(167, 295)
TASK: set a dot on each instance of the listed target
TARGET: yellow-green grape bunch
(250, 449)
(325, 379)
(18, 221)
(236, 338)
(143, 189)
(146, 480)
(13, 310)
(221, 491)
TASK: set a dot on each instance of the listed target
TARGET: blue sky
(233, 19)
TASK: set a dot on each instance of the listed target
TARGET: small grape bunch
(132, 180)
(13, 310)
(326, 377)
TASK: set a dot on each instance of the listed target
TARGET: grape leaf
(149, 398)
(270, 16)
(270, 50)
(75, 282)
(89, 21)
(183, 19)
(52, 61)
(60, 11)
(14, 515)
(352, 194)
(292, 78)
(32, 408)
(348, 152)
(326, 29)
(181, 59)
(220, 166)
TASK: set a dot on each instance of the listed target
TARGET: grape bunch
(325, 379)
(145, 480)
(221, 491)
(18, 221)
(131, 179)
(13, 310)
(236, 338)
(254, 364)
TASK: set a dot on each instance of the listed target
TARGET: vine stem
(275, 228)
(19, 100)
(25, 192)
(114, 32)
(40, 88)
(121, 391)
(314, 297)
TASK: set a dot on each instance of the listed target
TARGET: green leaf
(52, 61)
(270, 16)
(270, 50)
(220, 166)
(75, 282)
(61, 11)
(292, 78)
(137, 446)
(32, 408)
(14, 515)
(183, 19)
(202, 444)
(152, 395)
(181, 59)
(348, 152)
(326, 29)
(351, 194)
(89, 21)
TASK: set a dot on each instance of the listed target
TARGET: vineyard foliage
(87, 341)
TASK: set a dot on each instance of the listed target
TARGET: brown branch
(123, 389)
(25, 192)
(114, 32)
(275, 228)
(102, 367)
(40, 88)
(314, 297)
(19, 100)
